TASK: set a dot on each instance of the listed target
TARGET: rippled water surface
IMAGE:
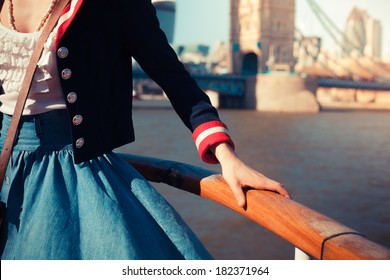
(337, 163)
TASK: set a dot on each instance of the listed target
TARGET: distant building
(363, 35)
(261, 35)
(193, 56)
(191, 48)
(166, 12)
(373, 47)
(387, 57)
(218, 60)
(307, 50)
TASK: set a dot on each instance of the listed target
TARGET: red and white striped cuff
(209, 134)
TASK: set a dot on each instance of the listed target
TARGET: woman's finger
(272, 185)
(238, 194)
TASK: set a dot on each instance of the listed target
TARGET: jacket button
(79, 143)
(71, 97)
(78, 119)
(66, 73)
(62, 52)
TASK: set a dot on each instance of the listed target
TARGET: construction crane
(366, 68)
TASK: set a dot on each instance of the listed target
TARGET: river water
(337, 163)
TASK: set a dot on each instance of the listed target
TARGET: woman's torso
(19, 32)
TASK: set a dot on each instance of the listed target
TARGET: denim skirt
(99, 209)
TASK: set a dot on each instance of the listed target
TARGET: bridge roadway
(235, 85)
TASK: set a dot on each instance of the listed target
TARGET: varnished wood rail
(315, 234)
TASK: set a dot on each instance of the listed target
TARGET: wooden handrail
(317, 235)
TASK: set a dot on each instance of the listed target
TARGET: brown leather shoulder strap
(25, 88)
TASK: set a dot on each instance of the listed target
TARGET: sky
(207, 21)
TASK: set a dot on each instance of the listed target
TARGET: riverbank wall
(352, 99)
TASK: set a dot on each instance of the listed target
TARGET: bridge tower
(261, 35)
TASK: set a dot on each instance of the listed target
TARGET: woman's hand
(239, 175)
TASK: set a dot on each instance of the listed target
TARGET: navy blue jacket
(95, 43)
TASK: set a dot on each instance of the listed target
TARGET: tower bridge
(265, 75)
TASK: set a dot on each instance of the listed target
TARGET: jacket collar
(66, 19)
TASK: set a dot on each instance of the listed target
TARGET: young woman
(68, 196)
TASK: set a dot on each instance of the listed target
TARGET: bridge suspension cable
(331, 28)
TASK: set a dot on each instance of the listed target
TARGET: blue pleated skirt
(100, 209)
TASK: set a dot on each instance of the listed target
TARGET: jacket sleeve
(150, 48)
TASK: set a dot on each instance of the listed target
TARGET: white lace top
(15, 51)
